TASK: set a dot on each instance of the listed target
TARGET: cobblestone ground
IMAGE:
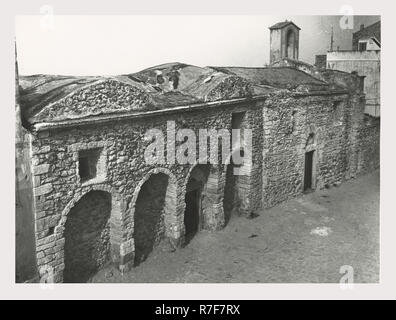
(306, 239)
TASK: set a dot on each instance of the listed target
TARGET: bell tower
(284, 38)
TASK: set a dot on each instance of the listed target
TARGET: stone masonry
(97, 201)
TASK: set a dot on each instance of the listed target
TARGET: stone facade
(365, 63)
(146, 203)
(326, 125)
(97, 200)
(87, 236)
(373, 30)
(58, 187)
(91, 198)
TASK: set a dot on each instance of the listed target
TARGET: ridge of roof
(46, 98)
(283, 24)
(368, 27)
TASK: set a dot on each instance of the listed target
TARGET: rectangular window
(237, 118)
(362, 46)
(88, 164)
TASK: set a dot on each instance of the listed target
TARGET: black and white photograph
(197, 149)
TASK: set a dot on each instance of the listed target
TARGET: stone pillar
(116, 234)
(174, 214)
(243, 186)
(126, 255)
(175, 230)
(212, 202)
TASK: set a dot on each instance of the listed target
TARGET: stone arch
(117, 214)
(205, 181)
(111, 205)
(146, 177)
(115, 219)
(291, 38)
(153, 211)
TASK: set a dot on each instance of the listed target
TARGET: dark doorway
(87, 237)
(191, 215)
(149, 216)
(237, 119)
(308, 171)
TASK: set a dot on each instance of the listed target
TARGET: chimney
(361, 27)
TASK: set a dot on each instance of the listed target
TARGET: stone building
(284, 38)
(365, 59)
(97, 201)
(361, 39)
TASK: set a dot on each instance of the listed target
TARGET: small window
(362, 46)
(88, 164)
(310, 139)
(337, 110)
(336, 105)
(50, 231)
(293, 121)
(237, 119)
(236, 124)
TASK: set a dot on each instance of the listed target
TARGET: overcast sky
(105, 45)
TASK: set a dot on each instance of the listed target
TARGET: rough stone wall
(105, 96)
(230, 200)
(57, 185)
(369, 145)
(87, 236)
(253, 179)
(295, 125)
(285, 126)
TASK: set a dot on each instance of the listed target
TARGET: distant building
(365, 59)
(364, 35)
(284, 38)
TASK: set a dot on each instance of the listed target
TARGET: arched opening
(87, 236)
(290, 44)
(196, 200)
(155, 199)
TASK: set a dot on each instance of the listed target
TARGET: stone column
(126, 255)
(212, 202)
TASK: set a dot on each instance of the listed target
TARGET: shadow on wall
(196, 201)
(87, 237)
(149, 216)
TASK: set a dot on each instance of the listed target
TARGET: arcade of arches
(87, 229)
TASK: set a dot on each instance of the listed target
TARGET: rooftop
(55, 98)
(283, 24)
(373, 30)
